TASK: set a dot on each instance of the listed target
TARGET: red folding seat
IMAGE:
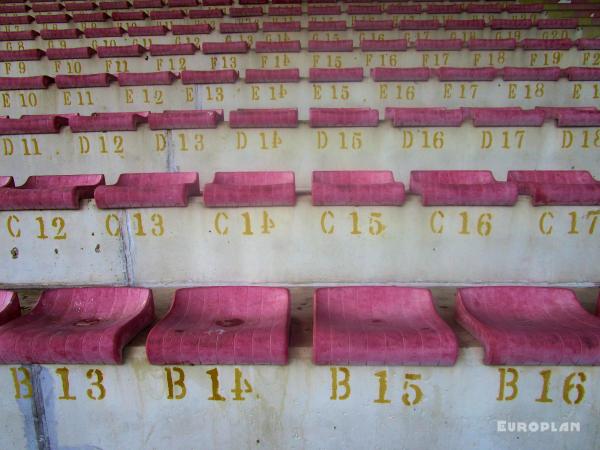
(356, 187)
(223, 325)
(212, 13)
(401, 74)
(209, 76)
(120, 51)
(211, 48)
(36, 124)
(557, 187)
(501, 117)
(90, 17)
(439, 44)
(546, 44)
(16, 20)
(64, 33)
(424, 117)
(374, 25)
(46, 7)
(9, 304)
(235, 189)
(52, 18)
(84, 81)
(282, 26)
(199, 28)
(22, 35)
(510, 24)
(343, 117)
(333, 25)
(47, 192)
(153, 30)
(114, 4)
(444, 9)
(16, 8)
(484, 8)
(103, 32)
(419, 24)
(492, 44)
(129, 16)
(264, 118)
(531, 73)
(217, 2)
(588, 44)
(234, 27)
(381, 326)
(169, 14)
(357, 10)
(272, 76)
(461, 188)
(246, 11)
(25, 83)
(172, 49)
(80, 6)
(147, 4)
(383, 45)
(70, 53)
(277, 47)
(583, 73)
(524, 8)
(288, 11)
(329, 10)
(466, 73)
(147, 190)
(318, 75)
(404, 9)
(343, 45)
(562, 24)
(77, 326)
(519, 325)
(110, 121)
(21, 55)
(164, 78)
(464, 24)
(182, 3)
(185, 119)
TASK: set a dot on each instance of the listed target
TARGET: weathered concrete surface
(295, 245)
(303, 95)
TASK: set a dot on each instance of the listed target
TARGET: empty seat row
(341, 188)
(289, 9)
(364, 325)
(292, 26)
(288, 118)
(314, 46)
(292, 75)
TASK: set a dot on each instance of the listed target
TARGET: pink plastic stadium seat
(185, 119)
(343, 117)
(461, 188)
(232, 189)
(9, 306)
(223, 325)
(49, 192)
(145, 190)
(557, 187)
(41, 124)
(77, 326)
(529, 325)
(264, 118)
(356, 187)
(380, 325)
(422, 117)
